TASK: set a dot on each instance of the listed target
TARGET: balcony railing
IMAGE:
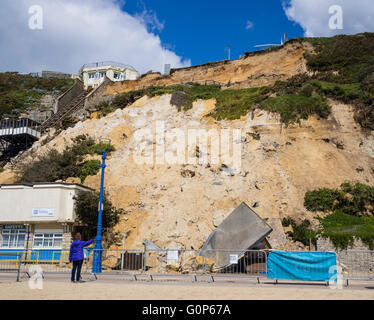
(107, 64)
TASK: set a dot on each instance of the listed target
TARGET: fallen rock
(73, 180)
(217, 183)
(186, 173)
(226, 169)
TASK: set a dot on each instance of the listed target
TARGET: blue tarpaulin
(305, 266)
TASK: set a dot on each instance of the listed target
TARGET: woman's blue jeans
(77, 266)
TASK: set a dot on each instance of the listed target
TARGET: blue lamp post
(98, 248)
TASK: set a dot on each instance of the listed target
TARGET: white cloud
(313, 16)
(149, 18)
(78, 32)
(249, 25)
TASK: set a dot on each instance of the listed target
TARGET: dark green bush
(301, 232)
(89, 168)
(356, 200)
(86, 208)
(54, 166)
(95, 149)
(286, 222)
(320, 200)
(304, 233)
(350, 213)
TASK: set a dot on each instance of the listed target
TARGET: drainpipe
(27, 241)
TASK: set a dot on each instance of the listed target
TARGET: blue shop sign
(14, 227)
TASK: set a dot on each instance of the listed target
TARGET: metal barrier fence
(10, 262)
(50, 261)
(248, 263)
(173, 262)
(120, 261)
(356, 264)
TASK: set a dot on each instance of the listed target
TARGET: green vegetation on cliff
(86, 205)
(231, 103)
(350, 213)
(53, 166)
(342, 67)
(20, 92)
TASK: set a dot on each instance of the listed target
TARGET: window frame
(47, 238)
(10, 233)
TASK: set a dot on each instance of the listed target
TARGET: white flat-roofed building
(93, 74)
(38, 217)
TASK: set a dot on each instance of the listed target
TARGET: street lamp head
(104, 145)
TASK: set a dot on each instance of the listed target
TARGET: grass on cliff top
(344, 70)
(20, 92)
(231, 104)
(349, 61)
(351, 55)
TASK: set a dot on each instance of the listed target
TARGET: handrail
(107, 64)
(59, 116)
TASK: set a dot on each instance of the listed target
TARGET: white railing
(107, 64)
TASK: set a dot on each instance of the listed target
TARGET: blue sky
(201, 30)
(149, 33)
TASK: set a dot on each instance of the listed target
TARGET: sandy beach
(60, 288)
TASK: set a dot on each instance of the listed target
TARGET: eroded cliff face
(253, 71)
(179, 205)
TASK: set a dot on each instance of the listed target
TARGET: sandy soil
(180, 211)
(253, 71)
(62, 289)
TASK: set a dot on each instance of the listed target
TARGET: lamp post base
(97, 258)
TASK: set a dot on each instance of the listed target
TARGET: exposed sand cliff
(178, 205)
(252, 71)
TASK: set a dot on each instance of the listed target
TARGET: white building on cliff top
(93, 74)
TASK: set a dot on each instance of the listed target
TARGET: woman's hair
(78, 236)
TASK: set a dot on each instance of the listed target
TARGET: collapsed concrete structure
(242, 230)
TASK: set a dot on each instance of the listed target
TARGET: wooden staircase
(75, 104)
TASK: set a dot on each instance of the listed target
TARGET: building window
(102, 74)
(91, 76)
(13, 239)
(116, 76)
(47, 240)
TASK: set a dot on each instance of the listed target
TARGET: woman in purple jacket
(76, 255)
